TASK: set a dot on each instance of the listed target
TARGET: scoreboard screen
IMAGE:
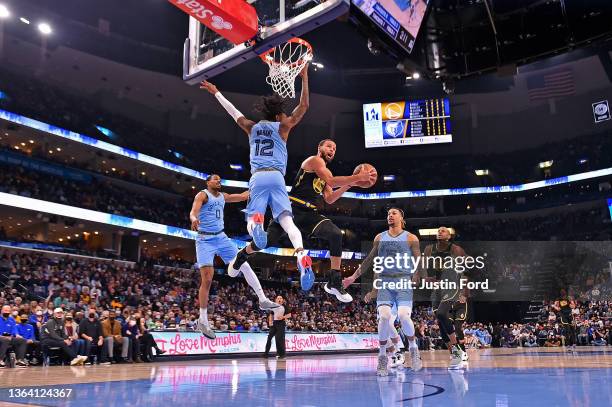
(407, 123)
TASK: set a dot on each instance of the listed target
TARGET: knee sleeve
(332, 233)
(384, 327)
(404, 313)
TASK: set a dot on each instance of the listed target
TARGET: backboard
(206, 53)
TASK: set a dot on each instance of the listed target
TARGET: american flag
(551, 84)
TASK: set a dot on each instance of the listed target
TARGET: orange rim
(271, 51)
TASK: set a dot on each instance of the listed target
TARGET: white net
(286, 61)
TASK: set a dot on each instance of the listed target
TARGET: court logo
(601, 111)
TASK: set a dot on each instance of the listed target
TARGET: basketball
(364, 168)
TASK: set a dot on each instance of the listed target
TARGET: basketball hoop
(286, 61)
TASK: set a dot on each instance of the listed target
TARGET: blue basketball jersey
(211, 213)
(389, 247)
(267, 148)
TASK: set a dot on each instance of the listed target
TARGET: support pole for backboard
(281, 10)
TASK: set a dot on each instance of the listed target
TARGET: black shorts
(306, 220)
(457, 311)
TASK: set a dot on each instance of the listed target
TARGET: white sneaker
(205, 330)
(381, 370)
(266, 305)
(456, 362)
(397, 360)
(78, 361)
(464, 356)
(415, 359)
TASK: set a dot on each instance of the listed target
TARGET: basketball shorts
(207, 246)
(267, 188)
(394, 297)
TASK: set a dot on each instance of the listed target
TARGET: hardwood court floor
(493, 377)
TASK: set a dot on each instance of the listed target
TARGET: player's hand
(368, 176)
(348, 281)
(212, 89)
(195, 225)
(304, 71)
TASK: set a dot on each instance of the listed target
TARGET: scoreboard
(403, 123)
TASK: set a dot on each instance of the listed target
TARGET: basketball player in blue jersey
(268, 157)
(207, 219)
(388, 247)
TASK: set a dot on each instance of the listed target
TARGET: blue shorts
(399, 298)
(207, 246)
(267, 188)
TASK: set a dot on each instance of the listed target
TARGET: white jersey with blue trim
(267, 147)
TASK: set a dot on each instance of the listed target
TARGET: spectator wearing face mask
(9, 336)
(130, 330)
(53, 334)
(72, 331)
(148, 342)
(26, 330)
(111, 331)
(90, 331)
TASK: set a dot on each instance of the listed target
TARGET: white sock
(252, 280)
(204, 316)
(412, 344)
(286, 222)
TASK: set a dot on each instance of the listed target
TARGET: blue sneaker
(260, 236)
(307, 277)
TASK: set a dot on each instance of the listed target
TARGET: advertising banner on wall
(194, 343)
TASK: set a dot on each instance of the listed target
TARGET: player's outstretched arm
(298, 113)
(366, 265)
(244, 123)
(200, 199)
(230, 198)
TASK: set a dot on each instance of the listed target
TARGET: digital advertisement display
(390, 124)
(399, 19)
(194, 343)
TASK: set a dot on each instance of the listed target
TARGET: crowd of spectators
(43, 101)
(106, 310)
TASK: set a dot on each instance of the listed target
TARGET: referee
(276, 322)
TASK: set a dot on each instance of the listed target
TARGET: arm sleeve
(228, 106)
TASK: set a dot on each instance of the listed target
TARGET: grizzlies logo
(318, 185)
